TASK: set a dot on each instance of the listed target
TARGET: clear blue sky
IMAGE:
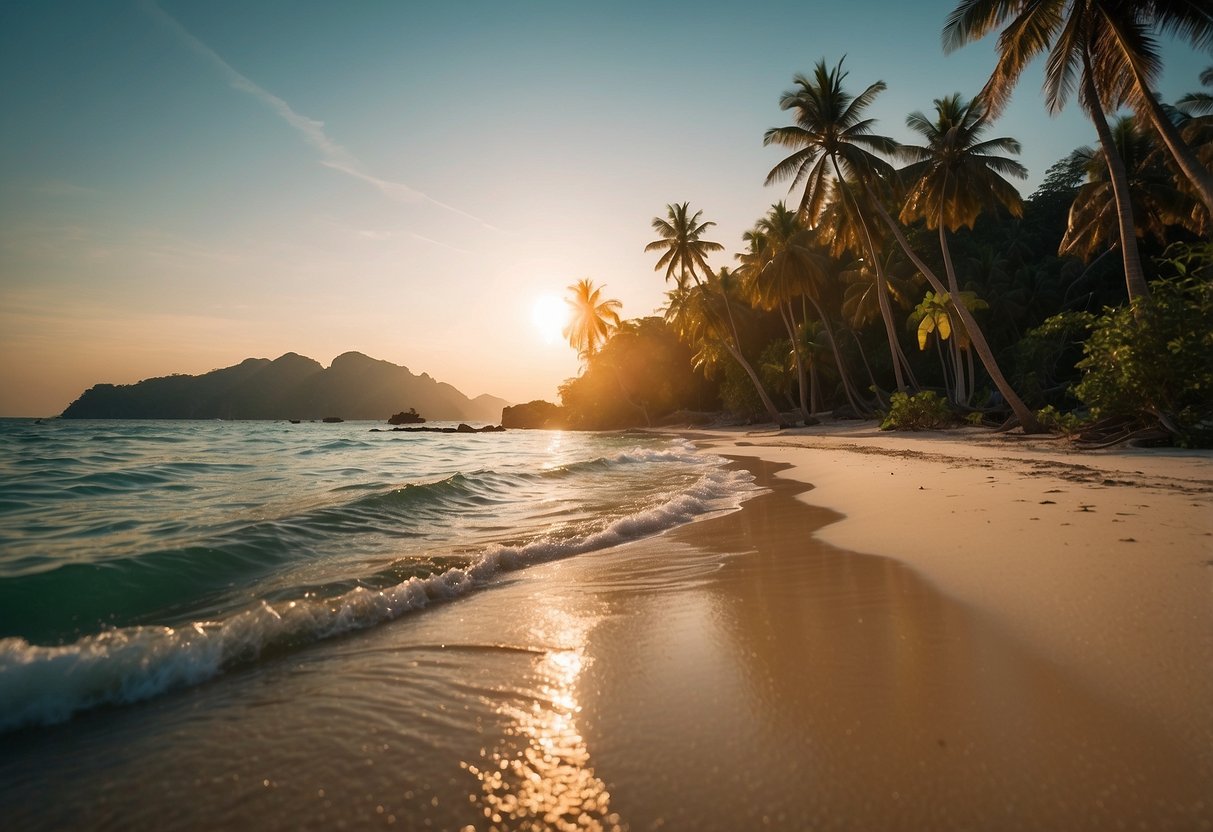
(186, 184)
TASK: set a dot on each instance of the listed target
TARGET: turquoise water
(141, 557)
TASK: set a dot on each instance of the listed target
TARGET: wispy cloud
(333, 155)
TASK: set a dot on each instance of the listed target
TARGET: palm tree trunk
(959, 389)
(842, 370)
(1025, 416)
(767, 404)
(1185, 159)
(771, 410)
(882, 297)
(948, 386)
(1135, 278)
(789, 321)
(735, 351)
(863, 356)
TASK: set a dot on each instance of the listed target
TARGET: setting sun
(550, 315)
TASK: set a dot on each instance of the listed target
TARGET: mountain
(292, 386)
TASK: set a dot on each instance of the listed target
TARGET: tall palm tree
(684, 249)
(844, 223)
(1157, 202)
(684, 255)
(832, 142)
(1104, 47)
(784, 263)
(592, 318)
(954, 177)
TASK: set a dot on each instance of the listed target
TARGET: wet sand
(743, 672)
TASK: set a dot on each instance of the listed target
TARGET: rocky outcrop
(406, 417)
(536, 414)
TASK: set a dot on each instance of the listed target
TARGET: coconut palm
(684, 249)
(844, 223)
(784, 263)
(1105, 48)
(684, 255)
(833, 142)
(1157, 202)
(592, 319)
(953, 178)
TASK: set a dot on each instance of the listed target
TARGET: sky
(187, 184)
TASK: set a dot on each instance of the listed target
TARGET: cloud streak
(333, 155)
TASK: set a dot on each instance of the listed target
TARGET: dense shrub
(922, 411)
(1154, 360)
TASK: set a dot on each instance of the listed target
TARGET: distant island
(292, 386)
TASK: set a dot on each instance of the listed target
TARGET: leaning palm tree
(832, 142)
(845, 225)
(684, 256)
(1113, 40)
(1107, 49)
(1157, 203)
(592, 319)
(954, 177)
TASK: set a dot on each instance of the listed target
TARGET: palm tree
(1106, 48)
(685, 250)
(954, 178)
(833, 142)
(784, 263)
(592, 319)
(1157, 202)
(684, 255)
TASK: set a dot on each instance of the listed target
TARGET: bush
(922, 411)
(1052, 419)
(1154, 360)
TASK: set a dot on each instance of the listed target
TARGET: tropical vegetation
(914, 282)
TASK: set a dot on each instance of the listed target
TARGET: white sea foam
(47, 684)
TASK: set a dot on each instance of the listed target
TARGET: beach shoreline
(1101, 559)
(922, 601)
(883, 638)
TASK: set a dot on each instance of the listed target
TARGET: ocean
(138, 558)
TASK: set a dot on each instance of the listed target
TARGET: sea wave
(47, 684)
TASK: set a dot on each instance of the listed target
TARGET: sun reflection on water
(539, 777)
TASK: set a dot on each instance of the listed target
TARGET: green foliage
(1046, 356)
(776, 368)
(1154, 359)
(737, 393)
(1054, 420)
(922, 411)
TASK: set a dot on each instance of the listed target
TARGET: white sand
(1101, 561)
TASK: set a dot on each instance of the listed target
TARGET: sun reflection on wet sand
(539, 776)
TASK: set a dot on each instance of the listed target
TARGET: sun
(550, 315)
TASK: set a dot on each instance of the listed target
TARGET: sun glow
(550, 315)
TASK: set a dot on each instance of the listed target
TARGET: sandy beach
(906, 631)
(1028, 645)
